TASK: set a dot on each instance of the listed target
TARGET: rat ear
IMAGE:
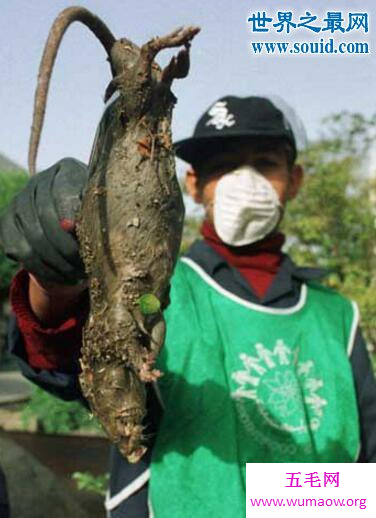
(192, 185)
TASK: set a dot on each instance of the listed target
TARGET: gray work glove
(38, 227)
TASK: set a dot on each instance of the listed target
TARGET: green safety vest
(248, 383)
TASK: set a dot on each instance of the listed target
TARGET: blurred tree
(191, 232)
(10, 184)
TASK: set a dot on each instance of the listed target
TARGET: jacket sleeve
(365, 386)
(47, 356)
(4, 504)
(57, 382)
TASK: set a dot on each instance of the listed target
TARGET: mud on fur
(130, 223)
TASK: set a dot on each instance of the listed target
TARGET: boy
(256, 360)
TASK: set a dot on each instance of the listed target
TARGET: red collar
(258, 262)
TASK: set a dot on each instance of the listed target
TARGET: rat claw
(178, 67)
(149, 375)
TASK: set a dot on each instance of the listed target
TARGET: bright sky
(222, 63)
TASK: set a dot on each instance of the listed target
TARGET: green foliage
(56, 416)
(88, 482)
(10, 184)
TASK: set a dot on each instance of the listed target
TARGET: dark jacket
(128, 482)
(4, 507)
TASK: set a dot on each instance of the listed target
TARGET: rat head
(119, 398)
(243, 170)
(124, 55)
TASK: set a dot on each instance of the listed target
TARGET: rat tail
(60, 25)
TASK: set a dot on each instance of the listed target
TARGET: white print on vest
(284, 389)
(220, 117)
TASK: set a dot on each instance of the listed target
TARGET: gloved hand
(38, 228)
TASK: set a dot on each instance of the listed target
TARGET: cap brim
(195, 149)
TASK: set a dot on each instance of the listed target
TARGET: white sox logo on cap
(220, 116)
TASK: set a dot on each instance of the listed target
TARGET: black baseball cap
(233, 117)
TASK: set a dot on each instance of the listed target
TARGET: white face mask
(246, 207)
